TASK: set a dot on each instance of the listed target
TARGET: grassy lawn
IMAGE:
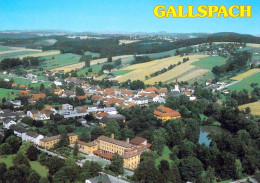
(165, 156)
(8, 93)
(121, 72)
(245, 83)
(59, 60)
(41, 170)
(209, 62)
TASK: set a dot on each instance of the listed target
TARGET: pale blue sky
(119, 15)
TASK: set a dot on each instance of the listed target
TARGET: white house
(18, 131)
(33, 137)
(67, 107)
(141, 101)
(7, 122)
(58, 83)
(158, 99)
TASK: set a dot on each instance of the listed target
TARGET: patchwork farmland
(44, 53)
(245, 74)
(80, 65)
(183, 72)
(246, 82)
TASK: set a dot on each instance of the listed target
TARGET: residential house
(113, 117)
(32, 114)
(58, 91)
(68, 94)
(33, 137)
(67, 107)
(7, 122)
(36, 97)
(18, 131)
(142, 101)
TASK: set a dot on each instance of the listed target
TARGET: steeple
(176, 86)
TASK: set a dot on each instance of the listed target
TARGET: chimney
(127, 140)
(112, 136)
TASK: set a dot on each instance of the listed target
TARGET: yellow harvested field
(193, 74)
(255, 108)
(71, 67)
(246, 74)
(80, 65)
(46, 53)
(145, 69)
(253, 45)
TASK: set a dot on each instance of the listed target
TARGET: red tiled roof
(162, 111)
(48, 107)
(137, 140)
(151, 89)
(107, 156)
(37, 96)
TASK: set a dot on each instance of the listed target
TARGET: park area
(41, 170)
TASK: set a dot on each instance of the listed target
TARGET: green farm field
(8, 93)
(209, 62)
(41, 170)
(245, 83)
(59, 60)
(16, 54)
(121, 72)
(95, 69)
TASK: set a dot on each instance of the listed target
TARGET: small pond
(205, 130)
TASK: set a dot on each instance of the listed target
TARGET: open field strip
(145, 69)
(255, 108)
(45, 53)
(127, 41)
(18, 49)
(179, 72)
(253, 45)
(246, 74)
(80, 65)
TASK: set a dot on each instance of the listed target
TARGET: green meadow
(16, 54)
(209, 62)
(59, 60)
(245, 83)
(8, 93)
